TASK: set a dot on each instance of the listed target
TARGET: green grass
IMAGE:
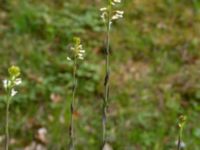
(155, 73)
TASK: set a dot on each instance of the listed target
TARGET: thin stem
(179, 139)
(71, 128)
(7, 122)
(106, 81)
(179, 143)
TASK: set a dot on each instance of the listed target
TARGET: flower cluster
(118, 14)
(13, 81)
(77, 50)
(108, 14)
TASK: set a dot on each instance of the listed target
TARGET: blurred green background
(155, 73)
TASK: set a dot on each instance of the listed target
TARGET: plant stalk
(179, 143)
(107, 79)
(7, 123)
(179, 139)
(71, 128)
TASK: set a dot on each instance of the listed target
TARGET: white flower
(77, 51)
(119, 12)
(5, 83)
(81, 58)
(113, 3)
(103, 16)
(18, 81)
(80, 47)
(68, 58)
(118, 15)
(79, 54)
(82, 51)
(104, 13)
(13, 92)
(72, 48)
(115, 17)
(103, 9)
(117, 1)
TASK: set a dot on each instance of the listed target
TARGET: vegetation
(77, 53)
(155, 74)
(181, 144)
(9, 86)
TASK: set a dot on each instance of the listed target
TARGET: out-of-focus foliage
(155, 73)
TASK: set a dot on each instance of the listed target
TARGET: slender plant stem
(179, 139)
(106, 81)
(71, 128)
(179, 143)
(7, 122)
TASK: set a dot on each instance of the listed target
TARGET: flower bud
(14, 71)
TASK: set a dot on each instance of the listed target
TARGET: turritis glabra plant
(181, 123)
(77, 54)
(9, 85)
(108, 15)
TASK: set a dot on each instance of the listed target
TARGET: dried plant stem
(71, 127)
(106, 81)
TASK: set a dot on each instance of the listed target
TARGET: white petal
(81, 58)
(68, 58)
(72, 48)
(113, 3)
(103, 9)
(18, 81)
(117, 1)
(120, 12)
(82, 51)
(13, 92)
(5, 83)
(80, 54)
(115, 17)
(80, 46)
(103, 16)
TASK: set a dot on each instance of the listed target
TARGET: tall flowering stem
(76, 54)
(71, 127)
(9, 86)
(182, 120)
(108, 15)
(106, 80)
